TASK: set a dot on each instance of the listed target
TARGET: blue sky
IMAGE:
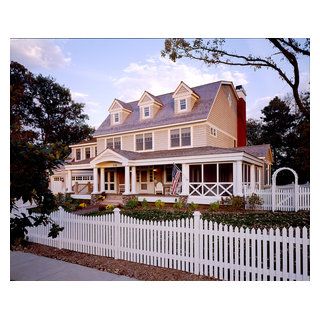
(99, 70)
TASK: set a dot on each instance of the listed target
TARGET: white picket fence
(284, 198)
(192, 245)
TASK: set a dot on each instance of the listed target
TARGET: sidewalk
(30, 267)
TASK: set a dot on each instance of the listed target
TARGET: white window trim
(215, 131)
(105, 141)
(180, 147)
(143, 112)
(114, 118)
(183, 110)
(143, 133)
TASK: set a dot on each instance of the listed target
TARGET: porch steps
(113, 199)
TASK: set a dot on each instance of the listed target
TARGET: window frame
(114, 117)
(113, 144)
(186, 105)
(85, 152)
(144, 142)
(144, 112)
(180, 138)
(76, 155)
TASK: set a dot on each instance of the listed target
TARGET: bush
(179, 204)
(214, 206)
(235, 202)
(101, 207)
(159, 204)
(193, 206)
(144, 203)
(132, 203)
(254, 200)
(109, 207)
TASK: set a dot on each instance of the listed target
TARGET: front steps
(114, 199)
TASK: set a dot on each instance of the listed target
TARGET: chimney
(241, 117)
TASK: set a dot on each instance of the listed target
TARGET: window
(95, 151)
(117, 143)
(144, 141)
(183, 104)
(148, 141)
(180, 137)
(87, 153)
(146, 112)
(185, 137)
(78, 154)
(114, 143)
(213, 131)
(116, 118)
(139, 142)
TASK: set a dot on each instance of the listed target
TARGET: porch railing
(211, 189)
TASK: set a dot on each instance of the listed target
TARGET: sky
(99, 70)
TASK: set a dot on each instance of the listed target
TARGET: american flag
(176, 174)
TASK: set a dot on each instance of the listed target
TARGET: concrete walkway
(30, 267)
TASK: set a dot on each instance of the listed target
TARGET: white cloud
(38, 53)
(160, 75)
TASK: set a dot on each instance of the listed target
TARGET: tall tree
(44, 121)
(254, 132)
(212, 51)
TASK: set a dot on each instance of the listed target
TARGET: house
(201, 130)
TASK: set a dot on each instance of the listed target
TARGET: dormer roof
(148, 98)
(118, 104)
(184, 89)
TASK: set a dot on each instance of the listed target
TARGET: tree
(213, 52)
(254, 132)
(44, 121)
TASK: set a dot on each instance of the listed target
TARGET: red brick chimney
(241, 117)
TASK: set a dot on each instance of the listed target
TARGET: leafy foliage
(235, 202)
(179, 204)
(132, 203)
(254, 200)
(44, 121)
(214, 206)
(193, 206)
(159, 204)
(144, 203)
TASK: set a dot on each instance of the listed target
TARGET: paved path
(30, 267)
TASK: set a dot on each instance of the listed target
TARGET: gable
(146, 99)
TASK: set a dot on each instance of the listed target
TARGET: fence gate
(285, 199)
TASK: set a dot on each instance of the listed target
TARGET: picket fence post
(197, 226)
(116, 233)
(60, 233)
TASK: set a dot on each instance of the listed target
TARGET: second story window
(144, 141)
(116, 118)
(87, 153)
(180, 137)
(146, 112)
(78, 154)
(114, 143)
(183, 104)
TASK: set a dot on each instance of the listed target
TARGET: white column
(127, 180)
(69, 181)
(133, 180)
(95, 180)
(252, 178)
(185, 179)
(102, 182)
(259, 177)
(237, 178)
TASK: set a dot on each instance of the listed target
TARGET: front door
(110, 181)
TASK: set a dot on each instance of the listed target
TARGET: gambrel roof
(166, 115)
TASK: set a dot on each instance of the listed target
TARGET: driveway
(30, 267)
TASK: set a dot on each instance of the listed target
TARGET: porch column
(126, 179)
(95, 180)
(252, 178)
(185, 179)
(69, 181)
(133, 180)
(259, 177)
(102, 180)
(237, 178)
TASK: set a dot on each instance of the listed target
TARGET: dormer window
(183, 104)
(146, 112)
(116, 118)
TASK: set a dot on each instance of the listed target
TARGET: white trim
(115, 157)
(180, 147)
(114, 137)
(82, 144)
(191, 92)
(143, 150)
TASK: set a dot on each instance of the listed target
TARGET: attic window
(213, 131)
(146, 112)
(183, 104)
(116, 118)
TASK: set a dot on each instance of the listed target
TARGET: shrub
(109, 207)
(254, 200)
(193, 206)
(101, 207)
(132, 203)
(82, 205)
(214, 206)
(237, 202)
(144, 203)
(101, 197)
(179, 204)
(159, 204)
